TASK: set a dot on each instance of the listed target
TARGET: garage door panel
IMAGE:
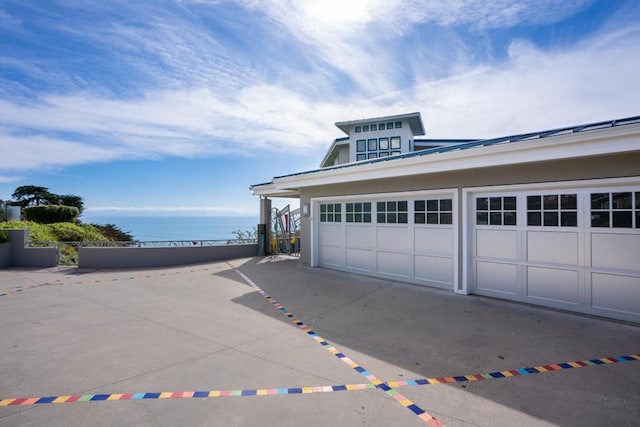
(553, 284)
(396, 264)
(552, 247)
(496, 244)
(436, 269)
(433, 241)
(619, 251)
(360, 259)
(614, 292)
(496, 277)
(393, 239)
(359, 237)
(331, 235)
(332, 256)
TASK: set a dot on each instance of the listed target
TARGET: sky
(176, 107)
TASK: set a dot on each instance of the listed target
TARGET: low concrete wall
(160, 257)
(26, 257)
(5, 255)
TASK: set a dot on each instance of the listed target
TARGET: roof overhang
(336, 143)
(563, 146)
(270, 189)
(414, 119)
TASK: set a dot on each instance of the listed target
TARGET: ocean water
(147, 228)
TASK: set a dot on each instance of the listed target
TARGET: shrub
(4, 236)
(113, 232)
(37, 232)
(68, 232)
(49, 214)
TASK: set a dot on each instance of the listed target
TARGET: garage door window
(395, 212)
(552, 210)
(433, 211)
(617, 210)
(496, 210)
(358, 212)
(330, 212)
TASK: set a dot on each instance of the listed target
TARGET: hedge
(4, 236)
(49, 214)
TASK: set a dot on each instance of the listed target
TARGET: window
(389, 125)
(433, 211)
(365, 128)
(398, 125)
(617, 210)
(496, 210)
(330, 212)
(395, 212)
(373, 148)
(552, 210)
(358, 212)
(358, 129)
(374, 127)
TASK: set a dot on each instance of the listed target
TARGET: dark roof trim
(414, 119)
(482, 143)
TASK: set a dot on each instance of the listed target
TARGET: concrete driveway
(267, 341)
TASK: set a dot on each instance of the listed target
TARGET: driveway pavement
(268, 341)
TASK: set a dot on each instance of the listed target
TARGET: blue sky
(176, 107)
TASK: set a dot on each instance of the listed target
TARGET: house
(550, 218)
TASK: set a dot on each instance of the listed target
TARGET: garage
(407, 236)
(573, 246)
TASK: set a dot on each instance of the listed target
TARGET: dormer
(373, 138)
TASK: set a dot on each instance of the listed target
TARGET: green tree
(70, 200)
(29, 195)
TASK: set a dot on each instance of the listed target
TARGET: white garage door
(409, 236)
(575, 248)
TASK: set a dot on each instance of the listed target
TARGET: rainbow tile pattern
(23, 401)
(378, 383)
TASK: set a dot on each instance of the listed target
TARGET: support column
(264, 238)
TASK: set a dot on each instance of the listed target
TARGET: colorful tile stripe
(22, 401)
(418, 411)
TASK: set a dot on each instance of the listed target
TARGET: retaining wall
(15, 254)
(92, 257)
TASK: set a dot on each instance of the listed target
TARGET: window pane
(419, 218)
(381, 218)
(391, 206)
(600, 201)
(358, 207)
(638, 219)
(389, 125)
(622, 201)
(534, 218)
(403, 217)
(509, 218)
(384, 143)
(380, 126)
(361, 157)
(510, 203)
(482, 204)
(495, 218)
(569, 201)
(495, 203)
(374, 127)
(323, 217)
(446, 218)
(330, 208)
(366, 217)
(372, 156)
(381, 206)
(622, 219)
(338, 207)
(383, 154)
(358, 217)
(358, 128)
(432, 218)
(395, 152)
(395, 142)
(398, 125)
(402, 206)
(373, 144)
(551, 202)
(349, 207)
(361, 145)
(551, 218)
(391, 218)
(534, 203)
(638, 201)
(599, 219)
(323, 208)
(446, 205)
(349, 217)
(419, 205)
(365, 128)
(569, 219)
(482, 218)
(338, 218)
(432, 205)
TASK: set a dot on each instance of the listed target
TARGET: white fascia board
(564, 146)
(270, 190)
